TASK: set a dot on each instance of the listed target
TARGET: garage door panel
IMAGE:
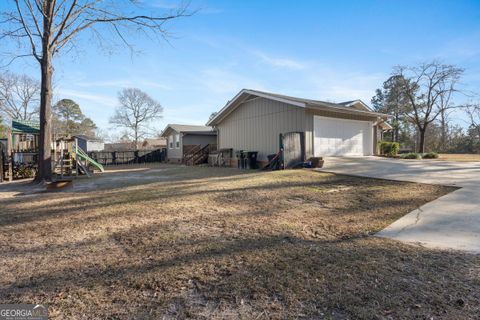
(341, 137)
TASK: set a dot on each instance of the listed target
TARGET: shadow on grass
(283, 275)
(178, 190)
(241, 251)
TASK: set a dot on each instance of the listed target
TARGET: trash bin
(317, 162)
(251, 159)
(240, 159)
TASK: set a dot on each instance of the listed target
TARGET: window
(170, 142)
(177, 141)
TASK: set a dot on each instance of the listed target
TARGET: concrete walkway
(450, 222)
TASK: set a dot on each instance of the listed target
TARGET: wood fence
(107, 158)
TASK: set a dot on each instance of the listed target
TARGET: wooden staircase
(65, 169)
(199, 155)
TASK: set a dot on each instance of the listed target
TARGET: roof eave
(352, 111)
(361, 102)
(167, 128)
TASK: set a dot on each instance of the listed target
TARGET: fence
(3, 164)
(106, 158)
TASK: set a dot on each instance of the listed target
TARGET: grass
(459, 157)
(205, 243)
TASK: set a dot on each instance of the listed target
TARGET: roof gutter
(350, 111)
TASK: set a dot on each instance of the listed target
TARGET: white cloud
(125, 83)
(163, 4)
(95, 98)
(338, 86)
(277, 62)
(465, 47)
(220, 80)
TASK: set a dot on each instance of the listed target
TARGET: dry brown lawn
(204, 243)
(459, 157)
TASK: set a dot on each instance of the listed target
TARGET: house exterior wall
(201, 139)
(82, 144)
(175, 154)
(94, 146)
(89, 145)
(257, 124)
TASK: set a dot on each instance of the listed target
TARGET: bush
(389, 149)
(430, 155)
(411, 155)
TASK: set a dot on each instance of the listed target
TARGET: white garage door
(341, 137)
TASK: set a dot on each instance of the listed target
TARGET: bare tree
(473, 112)
(46, 27)
(19, 96)
(135, 113)
(429, 88)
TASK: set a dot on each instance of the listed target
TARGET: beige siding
(257, 124)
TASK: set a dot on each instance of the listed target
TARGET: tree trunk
(136, 137)
(44, 148)
(44, 143)
(421, 145)
(396, 129)
(443, 142)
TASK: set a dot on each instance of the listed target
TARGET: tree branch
(27, 30)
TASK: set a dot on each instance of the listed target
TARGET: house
(253, 120)
(89, 144)
(184, 139)
(153, 144)
(147, 144)
(119, 146)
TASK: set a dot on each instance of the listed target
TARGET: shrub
(390, 149)
(411, 155)
(430, 155)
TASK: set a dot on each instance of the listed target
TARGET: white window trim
(177, 141)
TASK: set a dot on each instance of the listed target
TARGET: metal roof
(24, 126)
(189, 128)
(186, 128)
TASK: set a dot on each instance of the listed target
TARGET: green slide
(80, 153)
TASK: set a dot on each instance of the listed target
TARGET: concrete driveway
(450, 222)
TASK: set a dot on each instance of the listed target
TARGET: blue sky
(327, 50)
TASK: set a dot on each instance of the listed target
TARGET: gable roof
(344, 107)
(185, 128)
(357, 104)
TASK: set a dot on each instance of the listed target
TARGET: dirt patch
(205, 243)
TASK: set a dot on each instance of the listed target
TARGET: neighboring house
(89, 144)
(253, 120)
(153, 144)
(147, 144)
(183, 138)
(119, 146)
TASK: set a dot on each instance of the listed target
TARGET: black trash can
(251, 160)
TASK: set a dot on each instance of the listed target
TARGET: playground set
(21, 154)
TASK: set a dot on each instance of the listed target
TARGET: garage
(254, 120)
(342, 137)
